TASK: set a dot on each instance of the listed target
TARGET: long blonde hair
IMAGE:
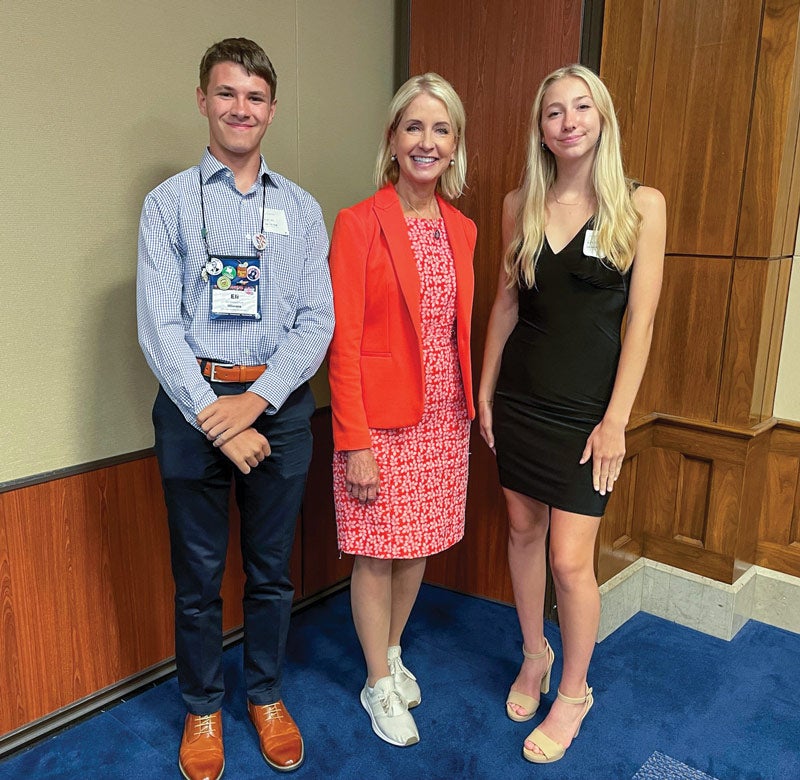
(616, 222)
(452, 181)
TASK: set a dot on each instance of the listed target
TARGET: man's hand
(229, 415)
(246, 450)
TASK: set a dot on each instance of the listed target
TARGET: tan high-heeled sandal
(523, 700)
(552, 750)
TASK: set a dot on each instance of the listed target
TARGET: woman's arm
(348, 261)
(502, 320)
(606, 444)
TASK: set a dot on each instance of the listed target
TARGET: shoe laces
(396, 667)
(204, 725)
(391, 702)
(271, 711)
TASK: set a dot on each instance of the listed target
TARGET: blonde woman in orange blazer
(401, 382)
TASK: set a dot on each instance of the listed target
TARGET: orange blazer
(375, 358)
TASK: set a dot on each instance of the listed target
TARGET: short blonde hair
(617, 222)
(452, 181)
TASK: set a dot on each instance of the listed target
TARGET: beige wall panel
(787, 394)
(344, 91)
(114, 86)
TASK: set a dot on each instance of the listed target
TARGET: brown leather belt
(222, 372)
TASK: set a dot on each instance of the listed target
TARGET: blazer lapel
(393, 225)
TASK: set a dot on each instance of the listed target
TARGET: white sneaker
(390, 717)
(405, 682)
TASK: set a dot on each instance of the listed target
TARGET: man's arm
(303, 349)
(159, 288)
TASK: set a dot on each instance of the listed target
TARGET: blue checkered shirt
(173, 301)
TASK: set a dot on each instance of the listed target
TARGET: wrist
(617, 420)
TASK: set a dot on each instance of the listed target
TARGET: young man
(235, 314)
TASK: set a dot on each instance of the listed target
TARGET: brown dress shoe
(281, 742)
(201, 756)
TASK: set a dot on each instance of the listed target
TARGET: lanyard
(259, 241)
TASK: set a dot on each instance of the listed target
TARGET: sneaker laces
(204, 725)
(396, 666)
(391, 703)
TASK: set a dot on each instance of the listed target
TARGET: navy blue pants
(197, 480)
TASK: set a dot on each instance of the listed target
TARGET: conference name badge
(590, 248)
(233, 287)
(275, 222)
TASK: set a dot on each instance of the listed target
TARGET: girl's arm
(606, 444)
(502, 320)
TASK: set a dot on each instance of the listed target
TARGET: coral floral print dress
(423, 468)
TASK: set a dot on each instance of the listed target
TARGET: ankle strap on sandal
(534, 656)
(576, 699)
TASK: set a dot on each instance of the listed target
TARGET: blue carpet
(726, 709)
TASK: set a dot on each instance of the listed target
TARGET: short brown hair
(240, 51)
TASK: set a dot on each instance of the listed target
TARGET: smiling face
(570, 121)
(239, 108)
(424, 142)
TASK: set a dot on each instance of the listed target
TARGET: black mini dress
(556, 376)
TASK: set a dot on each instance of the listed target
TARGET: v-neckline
(580, 229)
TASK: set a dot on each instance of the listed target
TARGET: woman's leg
(406, 579)
(528, 521)
(572, 539)
(371, 602)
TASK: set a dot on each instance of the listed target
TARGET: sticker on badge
(260, 242)
(253, 273)
(229, 271)
(275, 222)
(590, 248)
(241, 270)
(214, 266)
(223, 282)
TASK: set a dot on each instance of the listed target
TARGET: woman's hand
(606, 447)
(485, 417)
(362, 476)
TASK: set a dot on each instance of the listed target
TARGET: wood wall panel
(757, 305)
(495, 55)
(657, 490)
(683, 372)
(774, 128)
(704, 63)
(321, 564)
(12, 701)
(698, 491)
(779, 527)
(619, 539)
(626, 62)
(691, 505)
(86, 594)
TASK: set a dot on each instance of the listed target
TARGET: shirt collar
(210, 166)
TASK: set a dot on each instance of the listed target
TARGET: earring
(394, 158)
(544, 146)
(452, 163)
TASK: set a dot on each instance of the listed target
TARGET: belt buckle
(214, 367)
